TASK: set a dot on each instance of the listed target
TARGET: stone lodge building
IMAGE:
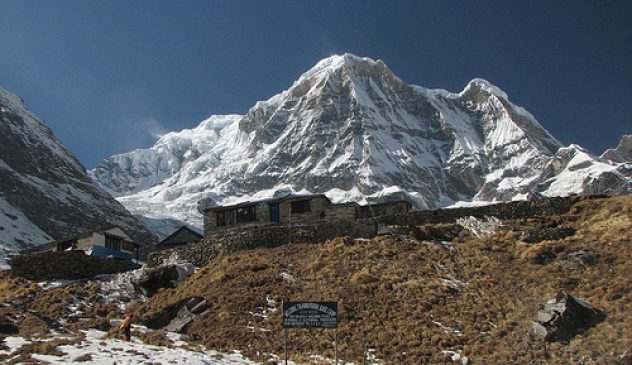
(108, 242)
(293, 210)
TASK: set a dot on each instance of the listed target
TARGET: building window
(113, 243)
(247, 214)
(221, 219)
(300, 207)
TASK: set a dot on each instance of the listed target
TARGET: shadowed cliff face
(41, 179)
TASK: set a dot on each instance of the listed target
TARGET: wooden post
(336, 343)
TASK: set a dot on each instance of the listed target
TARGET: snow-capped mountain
(45, 192)
(351, 129)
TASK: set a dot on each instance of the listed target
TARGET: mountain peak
(480, 84)
(9, 101)
(335, 62)
(349, 128)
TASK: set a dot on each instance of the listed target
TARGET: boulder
(579, 259)
(563, 317)
(186, 314)
(177, 317)
(153, 279)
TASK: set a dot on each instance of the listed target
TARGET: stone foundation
(246, 238)
(70, 265)
(250, 237)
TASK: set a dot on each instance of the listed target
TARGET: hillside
(408, 300)
(45, 192)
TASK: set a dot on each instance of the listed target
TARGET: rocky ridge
(45, 192)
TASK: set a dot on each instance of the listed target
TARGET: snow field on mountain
(14, 224)
(349, 128)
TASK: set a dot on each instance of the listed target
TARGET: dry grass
(405, 298)
(23, 354)
(398, 297)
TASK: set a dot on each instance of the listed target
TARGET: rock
(546, 254)
(618, 295)
(436, 232)
(156, 278)
(579, 259)
(199, 308)
(181, 320)
(178, 317)
(563, 317)
(7, 328)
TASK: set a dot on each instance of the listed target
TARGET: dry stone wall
(244, 238)
(71, 265)
(503, 211)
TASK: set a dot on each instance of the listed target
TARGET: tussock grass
(395, 294)
(406, 299)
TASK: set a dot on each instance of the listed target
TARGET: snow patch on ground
(96, 349)
(480, 227)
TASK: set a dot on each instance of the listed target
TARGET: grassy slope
(392, 292)
(392, 297)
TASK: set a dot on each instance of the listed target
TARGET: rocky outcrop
(167, 276)
(579, 259)
(563, 317)
(186, 314)
(623, 152)
(176, 317)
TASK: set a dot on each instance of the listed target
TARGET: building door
(274, 212)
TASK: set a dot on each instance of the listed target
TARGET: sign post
(310, 315)
(285, 346)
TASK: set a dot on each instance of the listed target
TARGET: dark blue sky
(108, 76)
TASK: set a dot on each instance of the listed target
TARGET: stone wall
(320, 209)
(241, 238)
(71, 265)
(503, 211)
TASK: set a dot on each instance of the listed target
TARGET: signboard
(310, 314)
